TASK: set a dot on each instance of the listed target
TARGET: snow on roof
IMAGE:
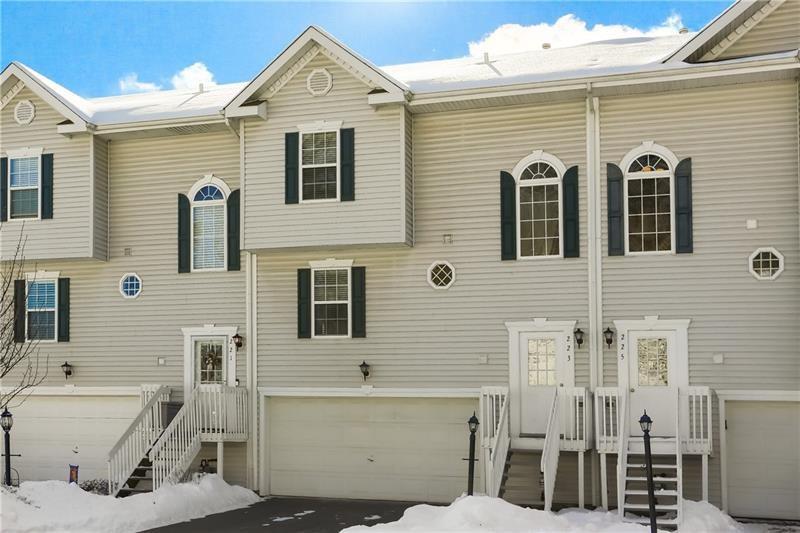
(592, 59)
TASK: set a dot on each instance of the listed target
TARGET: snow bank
(57, 506)
(481, 514)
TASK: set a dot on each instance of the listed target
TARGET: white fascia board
(709, 31)
(378, 99)
(259, 110)
(123, 127)
(69, 129)
(290, 53)
(44, 93)
(72, 390)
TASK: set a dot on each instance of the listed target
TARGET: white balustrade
(551, 449)
(495, 436)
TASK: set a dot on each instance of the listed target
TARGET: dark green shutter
(234, 261)
(63, 309)
(616, 211)
(572, 247)
(683, 207)
(19, 310)
(184, 234)
(303, 303)
(47, 186)
(508, 217)
(358, 277)
(347, 164)
(3, 189)
(291, 161)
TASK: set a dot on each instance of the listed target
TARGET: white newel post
(220, 459)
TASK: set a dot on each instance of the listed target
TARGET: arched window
(208, 201)
(539, 177)
(649, 200)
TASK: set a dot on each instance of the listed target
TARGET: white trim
(209, 179)
(320, 126)
(741, 30)
(366, 391)
(564, 328)
(26, 153)
(251, 347)
(54, 100)
(311, 129)
(256, 110)
(776, 253)
(141, 285)
(72, 390)
(724, 396)
(16, 111)
(535, 157)
(12, 92)
(649, 147)
(452, 279)
(653, 323)
(43, 275)
(331, 263)
(208, 330)
(39, 276)
(327, 88)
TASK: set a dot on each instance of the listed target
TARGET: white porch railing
(698, 437)
(622, 451)
(577, 429)
(606, 416)
(137, 440)
(550, 450)
(212, 413)
(495, 436)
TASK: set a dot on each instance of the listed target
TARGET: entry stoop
(522, 479)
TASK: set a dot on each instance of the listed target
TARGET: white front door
(542, 370)
(653, 380)
(209, 356)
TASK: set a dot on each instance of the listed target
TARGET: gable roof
(334, 48)
(724, 30)
(69, 104)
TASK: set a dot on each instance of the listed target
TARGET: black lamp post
(473, 428)
(646, 423)
(6, 421)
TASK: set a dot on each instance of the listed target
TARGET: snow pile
(481, 514)
(58, 506)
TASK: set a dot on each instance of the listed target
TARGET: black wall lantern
(608, 335)
(238, 341)
(364, 367)
(578, 336)
(67, 369)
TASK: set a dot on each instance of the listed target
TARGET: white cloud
(130, 83)
(569, 30)
(192, 76)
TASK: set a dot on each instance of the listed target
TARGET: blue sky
(90, 46)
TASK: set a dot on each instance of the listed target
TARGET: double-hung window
(23, 191)
(319, 165)
(208, 228)
(330, 302)
(648, 204)
(40, 310)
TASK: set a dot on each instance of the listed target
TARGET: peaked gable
(774, 28)
(308, 45)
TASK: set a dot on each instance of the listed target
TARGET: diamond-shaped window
(441, 275)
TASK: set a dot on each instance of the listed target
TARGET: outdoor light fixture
(578, 337)
(67, 369)
(473, 427)
(6, 421)
(364, 369)
(238, 341)
(608, 335)
(645, 422)
(473, 423)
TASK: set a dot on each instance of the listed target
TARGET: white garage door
(763, 443)
(52, 432)
(376, 448)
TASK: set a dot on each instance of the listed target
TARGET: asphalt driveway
(290, 515)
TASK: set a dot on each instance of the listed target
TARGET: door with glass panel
(210, 356)
(542, 370)
(652, 380)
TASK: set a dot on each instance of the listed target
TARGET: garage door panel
(762, 440)
(404, 449)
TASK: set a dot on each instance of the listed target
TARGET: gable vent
(319, 82)
(24, 112)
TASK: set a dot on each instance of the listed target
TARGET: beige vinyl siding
(114, 341)
(100, 208)
(409, 165)
(67, 234)
(376, 215)
(778, 32)
(417, 336)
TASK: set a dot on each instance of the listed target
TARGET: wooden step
(646, 520)
(140, 478)
(646, 507)
(636, 465)
(655, 478)
(662, 492)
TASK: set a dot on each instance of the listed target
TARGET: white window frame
(649, 147)
(333, 264)
(535, 157)
(209, 179)
(38, 277)
(24, 153)
(322, 126)
(781, 259)
(122, 280)
(452, 279)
